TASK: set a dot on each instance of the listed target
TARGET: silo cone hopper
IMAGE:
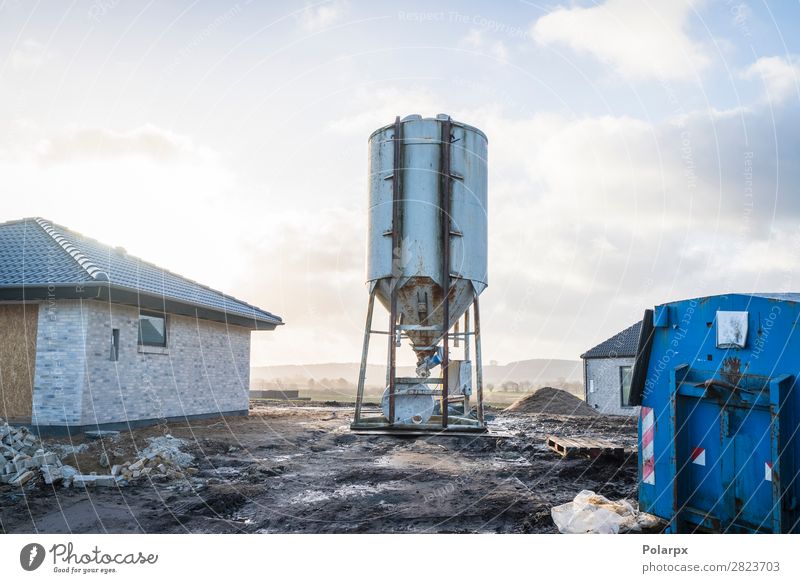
(426, 264)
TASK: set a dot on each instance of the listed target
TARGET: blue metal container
(716, 377)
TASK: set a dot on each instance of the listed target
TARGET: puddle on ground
(348, 491)
(284, 458)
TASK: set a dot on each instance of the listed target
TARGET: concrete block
(105, 480)
(22, 478)
(51, 474)
(138, 464)
(68, 472)
(93, 480)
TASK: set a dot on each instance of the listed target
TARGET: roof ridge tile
(93, 270)
(163, 270)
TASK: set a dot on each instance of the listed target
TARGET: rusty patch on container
(731, 370)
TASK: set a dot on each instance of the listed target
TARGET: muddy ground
(288, 469)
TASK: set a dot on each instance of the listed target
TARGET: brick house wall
(603, 385)
(204, 370)
(60, 363)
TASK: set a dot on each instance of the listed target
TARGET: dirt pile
(552, 401)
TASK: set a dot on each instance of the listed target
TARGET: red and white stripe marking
(768, 471)
(699, 456)
(648, 459)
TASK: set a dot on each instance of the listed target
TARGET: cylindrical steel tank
(419, 265)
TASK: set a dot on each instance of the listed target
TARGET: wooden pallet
(574, 446)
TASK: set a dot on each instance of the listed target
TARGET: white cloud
(30, 54)
(780, 76)
(639, 39)
(312, 281)
(379, 106)
(593, 219)
(476, 39)
(157, 194)
(319, 16)
(147, 141)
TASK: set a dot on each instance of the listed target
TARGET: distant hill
(537, 372)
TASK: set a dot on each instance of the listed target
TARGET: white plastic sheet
(593, 513)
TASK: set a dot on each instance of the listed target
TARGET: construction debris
(23, 459)
(596, 514)
(106, 480)
(65, 451)
(169, 448)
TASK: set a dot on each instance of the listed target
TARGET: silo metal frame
(395, 331)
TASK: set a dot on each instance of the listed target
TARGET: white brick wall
(60, 363)
(604, 374)
(205, 369)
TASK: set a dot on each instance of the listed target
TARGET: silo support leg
(362, 372)
(466, 357)
(478, 362)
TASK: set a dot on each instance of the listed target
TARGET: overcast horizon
(639, 152)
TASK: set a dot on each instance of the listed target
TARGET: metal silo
(427, 234)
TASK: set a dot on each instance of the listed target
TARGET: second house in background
(607, 370)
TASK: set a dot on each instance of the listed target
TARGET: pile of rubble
(161, 459)
(153, 465)
(23, 459)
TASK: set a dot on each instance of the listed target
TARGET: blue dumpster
(715, 378)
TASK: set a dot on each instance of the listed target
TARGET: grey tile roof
(35, 251)
(620, 345)
(30, 256)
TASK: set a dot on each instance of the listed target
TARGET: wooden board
(18, 326)
(575, 446)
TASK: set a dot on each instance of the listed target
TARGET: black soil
(300, 470)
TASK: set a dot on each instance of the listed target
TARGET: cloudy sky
(639, 151)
